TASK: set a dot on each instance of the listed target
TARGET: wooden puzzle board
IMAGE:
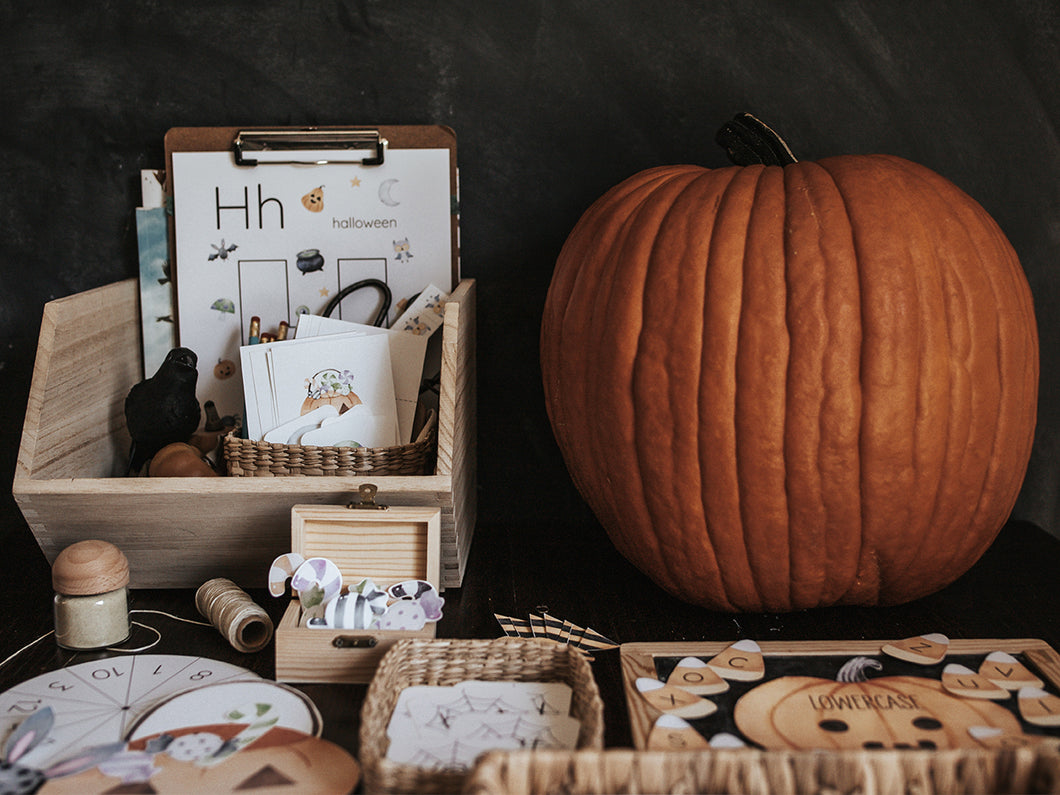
(821, 659)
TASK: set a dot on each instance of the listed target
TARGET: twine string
(237, 617)
(225, 606)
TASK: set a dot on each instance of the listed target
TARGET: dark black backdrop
(552, 104)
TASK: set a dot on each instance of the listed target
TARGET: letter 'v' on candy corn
(1006, 671)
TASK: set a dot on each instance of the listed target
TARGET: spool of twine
(238, 617)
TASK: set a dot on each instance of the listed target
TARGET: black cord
(380, 319)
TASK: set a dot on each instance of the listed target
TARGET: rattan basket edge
(252, 458)
(447, 662)
(746, 771)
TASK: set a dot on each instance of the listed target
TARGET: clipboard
(275, 207)
(340, 144)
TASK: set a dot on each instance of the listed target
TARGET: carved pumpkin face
(805, 713)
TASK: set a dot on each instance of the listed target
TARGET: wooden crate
(180, 532)
(389, 546)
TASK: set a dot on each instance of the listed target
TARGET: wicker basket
(448, 662)
(248, 458)
(747, 772)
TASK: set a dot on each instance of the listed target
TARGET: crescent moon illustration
(384, 193)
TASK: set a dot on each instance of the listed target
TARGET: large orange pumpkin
(786, 386)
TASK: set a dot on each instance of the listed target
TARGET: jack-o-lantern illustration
(224, 369)
(805, 713)
(280, 762)
(314, 200)
(330, 387)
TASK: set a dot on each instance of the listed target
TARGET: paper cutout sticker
(281, 570)
(671, 733)
(697, 677)
(742, 661)
(1006, 671)
(921, 650)
(1039, 707)
(966, 683)
(674, 700)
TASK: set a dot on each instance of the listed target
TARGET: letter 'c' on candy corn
(742, 661)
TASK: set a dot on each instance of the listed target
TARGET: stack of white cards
(446, 728)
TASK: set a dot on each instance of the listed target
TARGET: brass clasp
(367, 492)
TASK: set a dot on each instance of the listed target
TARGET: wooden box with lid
(387, 545)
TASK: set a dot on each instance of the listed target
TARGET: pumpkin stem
(749, 141)
(854, 669)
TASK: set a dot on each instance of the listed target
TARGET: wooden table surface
(1013, 592)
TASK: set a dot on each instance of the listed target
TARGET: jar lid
(90, 567)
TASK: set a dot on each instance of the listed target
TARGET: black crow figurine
(163, 409)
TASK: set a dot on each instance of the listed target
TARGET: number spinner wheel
(98, 702)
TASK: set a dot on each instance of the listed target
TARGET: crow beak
(186, 357)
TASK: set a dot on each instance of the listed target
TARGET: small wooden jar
(91, 582)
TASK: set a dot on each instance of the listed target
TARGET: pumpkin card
(834, 695)
(407, 353)
(336, 389)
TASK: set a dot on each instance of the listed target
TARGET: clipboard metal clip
(310, 146)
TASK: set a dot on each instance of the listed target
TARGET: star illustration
(324, 292)
(355, 182)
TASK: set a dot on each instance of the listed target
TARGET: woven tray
(248, 458)
(448, 662)
(747, 772)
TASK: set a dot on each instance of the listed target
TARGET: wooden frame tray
(823, 659)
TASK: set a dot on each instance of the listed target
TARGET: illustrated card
(406, 361)
(446, 728)
(281, 240)
(343, 380)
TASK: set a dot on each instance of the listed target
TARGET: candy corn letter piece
(922, 649)
(994, 739)
(1039, 707)
(1006, 671)
(671, 733)
(696, 676)
(674, 700)
(742, 661)
(966, 683)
